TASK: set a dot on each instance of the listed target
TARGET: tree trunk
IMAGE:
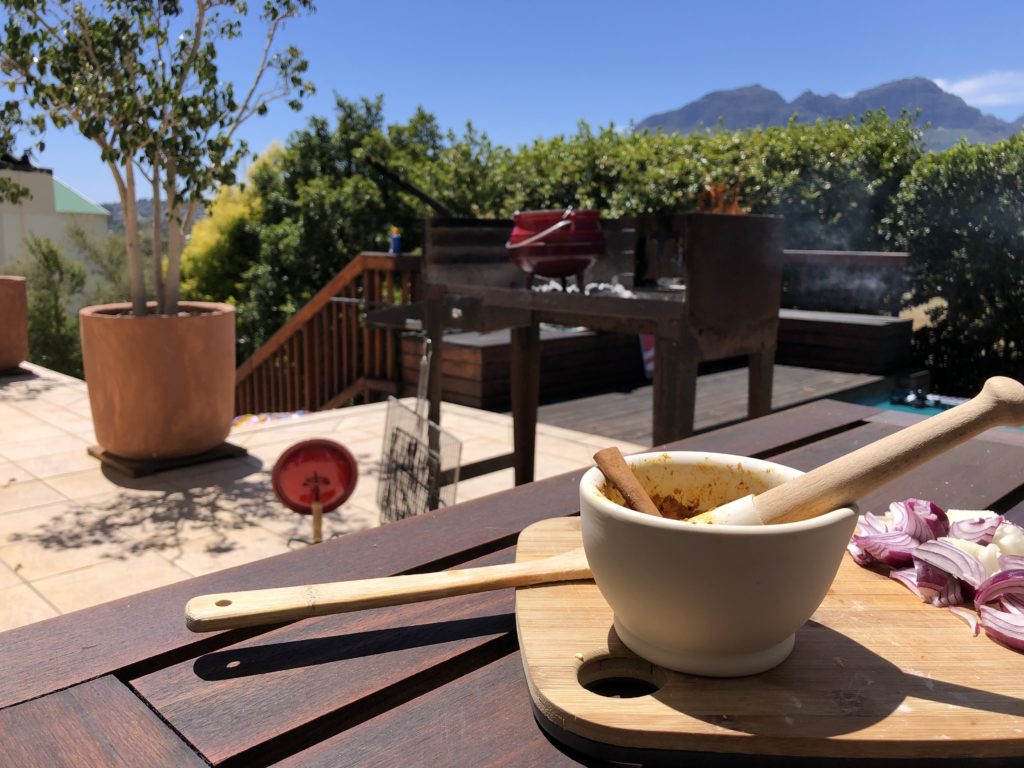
(131, 240)
(175, 245)
(158, 262)
(175, 238)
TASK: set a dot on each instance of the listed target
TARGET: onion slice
(1011, 562)
(998, 584)
(969, 617)
(977, 529)
(1007, 628)
(908, 578)
(923, 520)
(953, 560)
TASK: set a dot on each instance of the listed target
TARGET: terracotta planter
(13, 322)
(160, 386)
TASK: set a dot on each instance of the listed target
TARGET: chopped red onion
(1010, 562)
(1000, 583)
(1012, 603)
(942, 573)
(952, 560)
(968, 616)
(908, 578)
(892, 544)
(937, 586)
(923, 520)
(892, 548)
(978, 529)
(1007, 628)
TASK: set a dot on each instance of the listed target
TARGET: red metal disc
(312, 469)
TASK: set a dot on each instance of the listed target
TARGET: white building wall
(38, 216)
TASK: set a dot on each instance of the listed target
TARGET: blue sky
(522, 70)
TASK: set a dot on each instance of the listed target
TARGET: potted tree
(139, 79)
(13, 322)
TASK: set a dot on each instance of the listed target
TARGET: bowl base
(708, 664)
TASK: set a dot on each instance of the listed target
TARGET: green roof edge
(67, 200)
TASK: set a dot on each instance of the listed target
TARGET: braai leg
(434, 327)
(525, 392)
(675, 389)
(759, 383)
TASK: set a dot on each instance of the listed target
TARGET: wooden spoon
(232, 610)
(830, 486)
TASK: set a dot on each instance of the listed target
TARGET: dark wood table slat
(67, 650)
(484, 718)
(99, 723)
(300, 679)
(766, 436)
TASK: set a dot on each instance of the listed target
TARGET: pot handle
(565, 222)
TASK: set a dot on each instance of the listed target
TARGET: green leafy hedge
(960, 213)
(857, 184)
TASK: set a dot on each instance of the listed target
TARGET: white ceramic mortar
(715, 600)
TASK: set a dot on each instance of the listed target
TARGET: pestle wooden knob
(611, 462)
(841, 482)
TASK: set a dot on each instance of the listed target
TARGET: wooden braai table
(730, 266)
(434, 684)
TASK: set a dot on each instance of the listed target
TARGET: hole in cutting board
(617, 677)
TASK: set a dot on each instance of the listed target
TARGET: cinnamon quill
(615, 468)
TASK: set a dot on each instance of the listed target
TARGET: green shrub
(54, 286)
(960, 213)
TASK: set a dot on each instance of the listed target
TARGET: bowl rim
(593, 478)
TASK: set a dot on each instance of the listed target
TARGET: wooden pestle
(611, 462)
(842, 481)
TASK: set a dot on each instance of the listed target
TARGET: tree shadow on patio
(140, 518)
(18, 385)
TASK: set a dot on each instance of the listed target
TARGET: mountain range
(947, 116)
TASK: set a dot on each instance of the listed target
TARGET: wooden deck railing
(325, 355)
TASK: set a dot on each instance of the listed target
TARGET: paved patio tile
(13, 432)
(30, 444)
(97, 482)
(40, 554)
(218, 551)
(19, 524)
(59, 462)
(20, 605)
(108, 580)
(11, 473)
(26, 493)
(8, 578)
(486, 485)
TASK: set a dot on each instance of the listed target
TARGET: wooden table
(432, 684)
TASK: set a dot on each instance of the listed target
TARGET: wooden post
(434, 327)
(525, 393)
(675, 389)
(759, 383)
(318, 522)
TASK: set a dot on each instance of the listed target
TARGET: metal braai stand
(420, 461)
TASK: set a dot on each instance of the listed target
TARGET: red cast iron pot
(555, 243)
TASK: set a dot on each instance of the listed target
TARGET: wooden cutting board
(875, 673)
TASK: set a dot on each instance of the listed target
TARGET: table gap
(801, 442)
(201, 647)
